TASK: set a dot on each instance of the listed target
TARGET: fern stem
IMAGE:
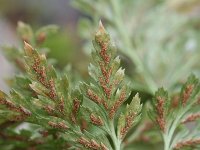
(166, 142)
(168, 136)
(116, 141)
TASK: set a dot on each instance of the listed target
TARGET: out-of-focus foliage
(52, 42)
(160, 37)
(32, 137)
(26, 34)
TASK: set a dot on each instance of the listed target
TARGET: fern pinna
(47, 99)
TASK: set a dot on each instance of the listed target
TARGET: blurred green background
(65, 45)
(158, 40)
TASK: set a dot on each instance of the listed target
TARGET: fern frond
(109, 90)
(169, 119)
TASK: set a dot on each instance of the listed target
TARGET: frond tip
(101, 29)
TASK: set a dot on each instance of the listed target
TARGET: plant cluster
(96, 115)
(54, 109)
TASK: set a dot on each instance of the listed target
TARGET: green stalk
(168, 136)
(116, 141)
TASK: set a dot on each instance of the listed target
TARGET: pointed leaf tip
(20, 24)
(137, 95)
(101, 28)
(28, 48)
